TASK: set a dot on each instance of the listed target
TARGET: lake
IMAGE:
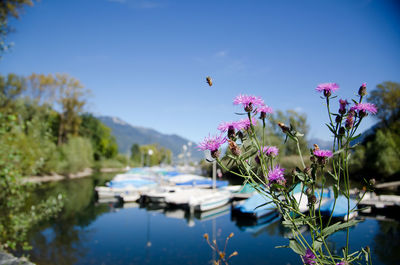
(88, 232)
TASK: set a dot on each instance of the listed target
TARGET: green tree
(104, 144)
(136, 156)
(9, 8)
(386, 97)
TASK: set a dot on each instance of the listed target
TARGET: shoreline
(82, 174)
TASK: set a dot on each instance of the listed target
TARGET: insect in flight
(209, 80)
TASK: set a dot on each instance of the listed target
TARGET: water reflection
(88, 232)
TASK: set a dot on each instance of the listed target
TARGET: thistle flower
(248, 101)
(322, 155)
(213, 144)
(263, 110)
(309, 258)
(327, 88)
(231, 127)
(270, 151)
(364, 108)
(276, 175)
(245, 123)
(343, 103)
(362, 91)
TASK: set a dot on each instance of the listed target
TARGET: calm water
(92, 233)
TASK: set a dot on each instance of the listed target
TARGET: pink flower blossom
(225, 126)
(365, 108)
(265, 109)
(271, 151)
(212, 143)
(276, 175)
(245, 123)
(309, 258)
(327, 88)
(248, 101)
(323, 153)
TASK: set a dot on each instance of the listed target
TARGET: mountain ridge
(127, 134)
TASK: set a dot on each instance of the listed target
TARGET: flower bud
(284, 128)
(338, 119)
(248, 107)
(307, 170)
(308, 191)
(341, 131)
(231, 235)
(234, 148)
(327, 93)
(312, 199)
(263, 115)
(372, 182)
(363, 90)
(349, 122)
(215, 153)
(205, 236)
(231, 132)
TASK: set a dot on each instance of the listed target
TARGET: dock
(380, 201)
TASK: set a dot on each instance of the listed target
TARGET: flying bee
(209, 80)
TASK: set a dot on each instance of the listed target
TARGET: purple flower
(245, 123)
(342, 263)
(263, 110)
(276, 175)
(323, 153)
(213, 144)
(327, 88)
(343, 104)
(309, 258)
(248, 101)
(271, 151)
(350, 119)
(364, 108)
(226, 126)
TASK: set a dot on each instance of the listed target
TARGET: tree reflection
(387, 242)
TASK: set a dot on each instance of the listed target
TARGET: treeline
(50, 129)
(378, 155)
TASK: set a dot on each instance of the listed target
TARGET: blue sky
(146, 61)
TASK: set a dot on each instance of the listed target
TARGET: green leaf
(317, 243)
(263, 204)
(338, 226)
(335, 191)
(355, 137)
(296, 247)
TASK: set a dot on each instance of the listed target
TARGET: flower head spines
(309, 258)
(275, 175)
(327, 88)
(248, 102)
(212, 143)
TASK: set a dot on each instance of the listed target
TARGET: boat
(204, 183)
(158, 194)
(124, 187)
(256, 207)
(209, 200)
(341, 208)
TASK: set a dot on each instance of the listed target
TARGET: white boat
(210, 200)
(158, 194)
(183, 196)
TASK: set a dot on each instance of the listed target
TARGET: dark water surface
(87, 232)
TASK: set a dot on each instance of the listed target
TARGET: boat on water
(128, 188)
(158, 194)
(210, 200)
(341, 208)
(256, 207)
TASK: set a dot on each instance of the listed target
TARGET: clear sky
(146, 61)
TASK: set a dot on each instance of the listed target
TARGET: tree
(104, 144)
(9, 8)
(298, 121)
(135, 153)
(11, 87)
(67, 94)
(386, 97)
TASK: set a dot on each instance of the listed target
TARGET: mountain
(127, 134)
(323, 144)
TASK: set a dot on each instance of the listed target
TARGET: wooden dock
(380, 201)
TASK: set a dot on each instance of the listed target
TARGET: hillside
(127, 134)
